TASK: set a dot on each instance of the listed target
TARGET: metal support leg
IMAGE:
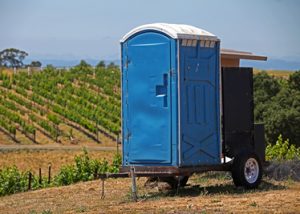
(178, 184)
(133, 179)
(102, 190)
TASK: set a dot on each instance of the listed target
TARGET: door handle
(162, 90)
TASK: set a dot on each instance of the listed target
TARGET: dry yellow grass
(35, 159)
(215, 196)
(4, 139)
(276, 73)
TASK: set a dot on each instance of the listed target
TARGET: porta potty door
(146, 99)
(199, 89)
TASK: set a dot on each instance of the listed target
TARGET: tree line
(13, 58)
(277, 105)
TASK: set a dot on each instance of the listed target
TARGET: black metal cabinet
(238, 126)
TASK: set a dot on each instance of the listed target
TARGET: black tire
(247, 170)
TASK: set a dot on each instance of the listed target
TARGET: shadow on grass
(197, 190)
(222, 176)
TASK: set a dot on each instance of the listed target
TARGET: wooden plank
(225, 62)
(234, 54)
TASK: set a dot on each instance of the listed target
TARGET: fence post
(40, 176)
(29, 180)
(97, 131)
(102, 189)
(34, 136)
(49, 173)
(133, 187)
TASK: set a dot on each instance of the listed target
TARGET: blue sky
(91, 29)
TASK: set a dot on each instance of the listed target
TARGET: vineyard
(83, 104)
(54, 103)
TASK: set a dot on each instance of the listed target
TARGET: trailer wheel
(247, 170)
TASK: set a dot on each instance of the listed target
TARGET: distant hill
(273, 64)
(270, 64)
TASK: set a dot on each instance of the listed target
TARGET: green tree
(84, 67)
(262, 82)
(282, 116)
(84, 64)
(100, 64)
(265, 87)
(277, 104)
(294, 81)
(36, 64)
(112, 65)
(12, 57)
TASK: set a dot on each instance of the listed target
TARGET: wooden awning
(231, 58)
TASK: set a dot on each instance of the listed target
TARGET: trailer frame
(158, 171)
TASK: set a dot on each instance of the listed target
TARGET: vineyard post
(34, 135)
(15, 133)
(40, 176)
(95, 174)
(56, 137)
(49, 173)
(29, 180)
(56, 132)
(97, 131)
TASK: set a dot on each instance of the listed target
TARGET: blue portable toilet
(170, 96)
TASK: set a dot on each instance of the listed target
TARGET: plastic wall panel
(199, 106)
(170, 101)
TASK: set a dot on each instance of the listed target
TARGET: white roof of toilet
(175, 31)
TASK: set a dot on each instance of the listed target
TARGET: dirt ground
(203, 194)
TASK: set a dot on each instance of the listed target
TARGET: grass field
(276, 73)
(205, 193)
(202, 195)
(32, 160)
